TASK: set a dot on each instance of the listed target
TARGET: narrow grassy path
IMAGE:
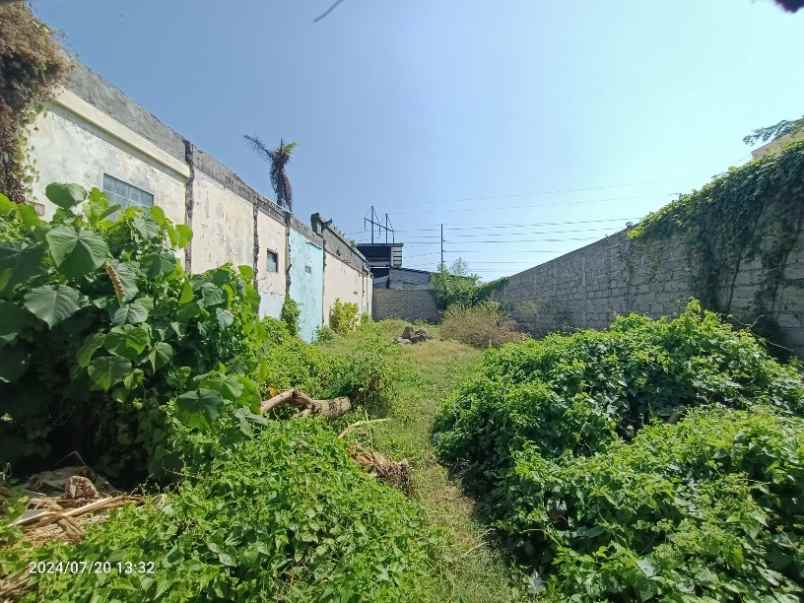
(475, 571)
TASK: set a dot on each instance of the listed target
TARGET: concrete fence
(588, 287)
(93, 135)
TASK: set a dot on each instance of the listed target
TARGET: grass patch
(472, 570)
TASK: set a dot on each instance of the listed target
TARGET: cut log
(276, 401)
(327, 408)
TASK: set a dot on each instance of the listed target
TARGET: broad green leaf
(134, 379)
(157, 264)
(6, 205)
(189, 311)
(28, 216)
(89, 347)
(186, 293)
(127, 341)
(53, 303)
(132, 313)
(184, 235)
(158, 216)
(77, 252)
(212, 295)
(14, 362)
(161, 355)
(13, 318)
(65, 195)
(127, 274)
(246, 273)
(107, 371)
(146, 228)
(18, 265)
(199, 408)
(225, 318)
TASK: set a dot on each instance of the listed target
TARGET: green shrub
(454, 289)
(344, 317)
(482, 325)
(290, 315)
(324, 335)
(708, 509)
(552, 434)
(286, 516)
(108, 347)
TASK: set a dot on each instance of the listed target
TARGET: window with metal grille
(124, 194)
(273, 261)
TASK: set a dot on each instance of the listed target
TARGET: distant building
(381, 256)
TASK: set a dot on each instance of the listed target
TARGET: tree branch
(328, 11)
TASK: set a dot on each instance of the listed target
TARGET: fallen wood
(276, 400)
(394, 473)
(44, 518)
(326, 408)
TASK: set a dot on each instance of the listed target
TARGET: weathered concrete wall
(223, 226)
(346, 272)
(306, 276)
(588, 287)
(407, 304)
(342, 281)
(272, 237)
(91, 129)
(65, 146)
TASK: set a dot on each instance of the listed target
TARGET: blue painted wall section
(306, 281)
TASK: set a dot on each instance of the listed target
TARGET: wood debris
(325, 408)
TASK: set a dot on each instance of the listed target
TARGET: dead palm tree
(278, 157)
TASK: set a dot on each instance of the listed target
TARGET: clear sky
(491, 116)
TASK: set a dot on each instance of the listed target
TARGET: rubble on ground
(409, 335)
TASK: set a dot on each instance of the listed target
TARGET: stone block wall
(407, 304)
(590, 286)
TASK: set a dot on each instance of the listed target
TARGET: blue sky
(499, 118)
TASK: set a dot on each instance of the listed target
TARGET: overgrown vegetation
(290, 315)
(753, 214)
(31, 66)
(286, 516)
(110, 348)
(344, 317)
(481, 325)
(555, 437)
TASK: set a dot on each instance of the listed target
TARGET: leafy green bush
(482, 325)
(451, 288)
(290, 315)
(286, 516)
(580, 392)
(552, 433)
(344, 317)
(708, 509)
(107, 346)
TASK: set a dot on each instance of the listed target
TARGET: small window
(273, 261)
(308, 269)
(124, 194)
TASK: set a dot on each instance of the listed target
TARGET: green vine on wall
(753, 212)
(31, 66)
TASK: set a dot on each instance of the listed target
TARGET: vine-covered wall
(736, 244)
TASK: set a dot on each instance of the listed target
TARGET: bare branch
(328, 11)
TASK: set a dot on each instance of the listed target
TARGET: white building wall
(71, 142)
(342, 281)
(271, 285)
(223, 226)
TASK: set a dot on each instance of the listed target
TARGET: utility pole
(442, 247)
(388, 227)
